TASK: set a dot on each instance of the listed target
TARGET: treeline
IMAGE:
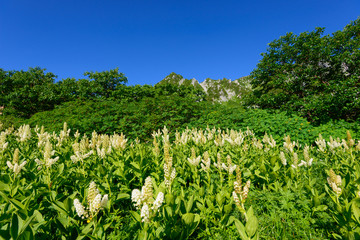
(305, 84)
(25, 93)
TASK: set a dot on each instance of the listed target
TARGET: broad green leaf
(250, 212)
(122, 196)
(241, 230)
(158, 231)
(17, 204)
(85, 231)
(25, 224)
(59, 206)
(320, 208)
(26, 235)
(189, 204)
(251, 226)
(14, 227)
(188, 218)
(201, 207)
(135, 165)
(4, 187)
(356, 209)
(136, 216)
(38, 216)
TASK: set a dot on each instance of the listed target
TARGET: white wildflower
(104, 201)
(80, 209)
(145, 213)
(282, 158)
(95, 204)
(158, 202)
(136, 197)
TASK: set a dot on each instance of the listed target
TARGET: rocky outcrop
(216, 90)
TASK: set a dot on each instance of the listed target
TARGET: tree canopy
(312, 74)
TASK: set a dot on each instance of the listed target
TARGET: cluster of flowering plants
(194, 184)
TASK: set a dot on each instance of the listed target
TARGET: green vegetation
(203, 184)
(313, 75)
(268, 156)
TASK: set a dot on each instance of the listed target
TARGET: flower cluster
(269, 140)
(80, 152)
(144, 199)
(118, 142)
(64, 135)
(206, 162)
(288, 144)
(240, 194)
(321, 143)
(169, 170)
(15, 167)
(48, 153)
(283, 159)
(95, 203)
(194, 160)
(43, 136)
(3, 142)
(23, 133)
(334, 181)
(230, 168)
(156, 149)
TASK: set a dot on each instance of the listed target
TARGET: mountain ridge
(220, 90)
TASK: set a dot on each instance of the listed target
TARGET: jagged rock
(216, 90)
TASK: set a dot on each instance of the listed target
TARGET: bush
(134, 119)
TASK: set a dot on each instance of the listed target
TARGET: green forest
(278, 160)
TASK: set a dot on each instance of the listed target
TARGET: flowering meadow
(195, 184)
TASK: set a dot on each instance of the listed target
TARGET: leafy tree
(27, 92)
(185, 91)
(314, 75)
(107, 81)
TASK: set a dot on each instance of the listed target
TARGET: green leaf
(188, 218)
(276, 167)
(219, 199)
(250, 212)
(355, 209)
(25, 225)
(241, 229)
(169, 199)
(59, 206)
(251, 226)
(85, 231)
(17, 204)
(122, 196)
(4, 187)
(228, 208)
(230, 220)
(189, 204)
(168, 211)
(136, 216)
(320, 208)
(201, 207)
(14, 228)
(38, 216)
(26, 235)
(4, 196)
(60, 169)
(158, 231)
(135, 165)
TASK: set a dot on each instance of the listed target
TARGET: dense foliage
(205, 184)
(313, 75)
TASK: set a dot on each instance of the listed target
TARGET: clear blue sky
(147, 40)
